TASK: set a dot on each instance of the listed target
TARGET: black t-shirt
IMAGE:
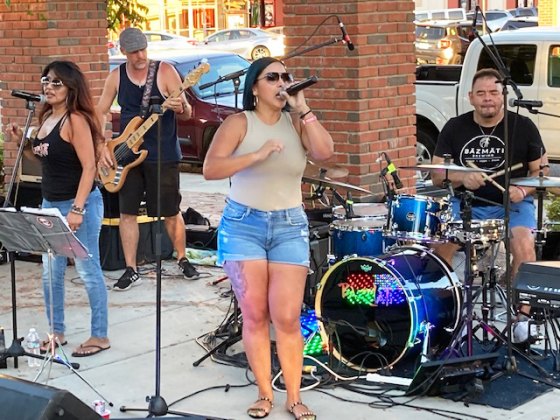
(465, 141)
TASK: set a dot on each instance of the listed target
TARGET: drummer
(476, 139)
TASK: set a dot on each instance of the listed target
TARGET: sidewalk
(126, 373)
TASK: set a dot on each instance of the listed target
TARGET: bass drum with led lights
(375, 312)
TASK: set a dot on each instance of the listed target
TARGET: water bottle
(33, 343)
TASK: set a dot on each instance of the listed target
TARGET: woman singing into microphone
(263, 235)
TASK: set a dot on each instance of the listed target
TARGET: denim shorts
(520, 214)
(280, 236)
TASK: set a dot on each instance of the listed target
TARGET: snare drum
(378, 311)
(483, 232)
(362, 236)
(415, 218)
(375, 210)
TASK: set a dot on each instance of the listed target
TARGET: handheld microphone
(525, 103)
(392, 169)
(345, 37)
(296, 87)
(33, 97)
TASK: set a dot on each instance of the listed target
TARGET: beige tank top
(275, 183)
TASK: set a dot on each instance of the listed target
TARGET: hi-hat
(321, 170)
(333, 184)
(445, 166)
(537, 182)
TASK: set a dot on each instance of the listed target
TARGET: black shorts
(143, 179)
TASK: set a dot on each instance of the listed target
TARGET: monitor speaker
(24, 400)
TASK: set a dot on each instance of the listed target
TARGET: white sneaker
(521, 331)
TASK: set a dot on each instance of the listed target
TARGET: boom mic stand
(511, 363)
(16, 349)
(156, 403)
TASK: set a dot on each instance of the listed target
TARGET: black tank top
(130, 101)
(61, 167)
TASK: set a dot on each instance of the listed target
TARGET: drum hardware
(323, 170)
(327, 182)
(540, 183)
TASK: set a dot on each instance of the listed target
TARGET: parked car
(517, 23)
(495, 19)
(251, 43)
(524, 12)
(165, 41)
(442, 42)
(210, 105)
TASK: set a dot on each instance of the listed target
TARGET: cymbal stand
(540, 239)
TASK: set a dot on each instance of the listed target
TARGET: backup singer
(127, 83)
(477, 137)
(66, 146)
(263, 238)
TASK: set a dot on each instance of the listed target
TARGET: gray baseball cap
(132, 39)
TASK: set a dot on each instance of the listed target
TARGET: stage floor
(125, 374)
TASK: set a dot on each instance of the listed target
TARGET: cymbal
(446, 166)
(537, 181)
(320, 170)
(333, 184)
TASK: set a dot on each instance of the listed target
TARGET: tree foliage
(125, 10)
(119, 11)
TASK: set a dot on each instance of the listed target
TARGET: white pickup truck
(532, 56)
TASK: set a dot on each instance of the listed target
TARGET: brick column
(364, 97)
(36, 32)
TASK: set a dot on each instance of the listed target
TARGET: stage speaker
(24, 400)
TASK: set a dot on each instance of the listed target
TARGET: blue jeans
(89, 268)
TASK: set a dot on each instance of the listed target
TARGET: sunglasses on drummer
(55, 83)
(273, 77)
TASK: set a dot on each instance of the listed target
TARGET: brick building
(365, 96)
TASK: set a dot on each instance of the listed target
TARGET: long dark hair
(78, 100)
(255, 70)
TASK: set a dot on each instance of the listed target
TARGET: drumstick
(503, 171)
(487, 178)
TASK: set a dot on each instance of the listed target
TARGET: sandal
(306, 415)
(258, 412)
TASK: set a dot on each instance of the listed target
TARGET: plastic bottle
(33, 343)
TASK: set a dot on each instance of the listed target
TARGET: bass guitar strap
(145, 107)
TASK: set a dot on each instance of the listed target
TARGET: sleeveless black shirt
(130, 100)
(61, 168)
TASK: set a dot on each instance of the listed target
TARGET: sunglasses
(273, 77)
(55, 83)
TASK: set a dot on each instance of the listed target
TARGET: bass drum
(377, 311)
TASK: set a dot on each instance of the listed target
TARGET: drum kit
(386, 296)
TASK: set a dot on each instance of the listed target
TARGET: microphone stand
(511, 363)
(156, 403)
(16, 348)
(235, 77)
(296, 53)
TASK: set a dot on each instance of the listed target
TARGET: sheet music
(39, 231)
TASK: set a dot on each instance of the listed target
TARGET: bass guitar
(124, 149)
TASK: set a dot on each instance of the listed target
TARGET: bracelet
(522, 191)
(305, 113)
(77, 210)
(309, 120)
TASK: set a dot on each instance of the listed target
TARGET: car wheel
(425, 146)
(260, 52)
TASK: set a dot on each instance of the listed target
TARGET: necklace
(134, 81)
(486, 137)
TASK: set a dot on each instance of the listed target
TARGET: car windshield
(429, 32)
(219, 67)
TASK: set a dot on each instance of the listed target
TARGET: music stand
(36, 231)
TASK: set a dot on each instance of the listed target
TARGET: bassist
(127, 83)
